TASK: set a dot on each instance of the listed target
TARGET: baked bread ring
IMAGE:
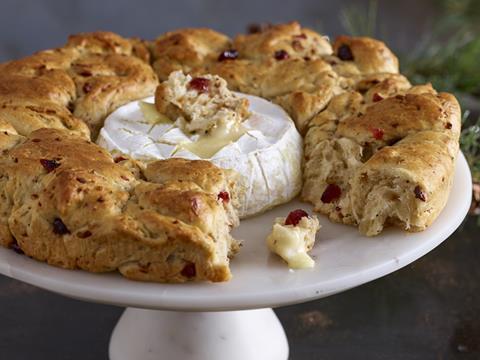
(66, 202)
(349, 101)
(378, 151)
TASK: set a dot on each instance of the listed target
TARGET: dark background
(428, 310)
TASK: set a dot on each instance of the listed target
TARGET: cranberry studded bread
(200, 105)
(355, 111)
(359, 131)
(290, 65)
(378, 151)
(67, 202)
(76, 85)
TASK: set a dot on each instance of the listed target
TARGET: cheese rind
(268, 155)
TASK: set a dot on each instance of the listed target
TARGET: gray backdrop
(428, 310)
(30, 25)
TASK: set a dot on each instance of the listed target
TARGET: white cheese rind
(268, 155)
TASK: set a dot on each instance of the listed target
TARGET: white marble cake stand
(202, 321)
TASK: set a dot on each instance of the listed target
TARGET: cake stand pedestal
(233, 320)
(168, 335)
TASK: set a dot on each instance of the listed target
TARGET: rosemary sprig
(358, 22)
(470, 145)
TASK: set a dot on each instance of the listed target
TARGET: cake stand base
(167, 335)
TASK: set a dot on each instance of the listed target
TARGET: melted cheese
(266, 149)
(292, 243)
(208, 145)
(151, 115)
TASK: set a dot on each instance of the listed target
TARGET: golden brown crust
(291, 38)
(351, 138)
(91, 75)
(187, 49)
(293, 66)
(52, 85)
(413, 179)
(65, 201)
(349, 100)
(154, 222)
(29, 115)
(103, 42)
(370, 56)
(402, 115)
(105, 82)
(68, 203)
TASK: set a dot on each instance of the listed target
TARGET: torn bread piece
(292, 237)
(406, 185)
(200, 105)
(356, 125)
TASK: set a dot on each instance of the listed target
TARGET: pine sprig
(470, 145)
(451, 65)
(360, 22)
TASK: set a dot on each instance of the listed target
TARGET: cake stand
(234, 320)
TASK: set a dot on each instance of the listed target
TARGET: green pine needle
(358, 22)
(470, 145)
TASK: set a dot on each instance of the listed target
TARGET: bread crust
(358, 132)
(187, 50)
(67, 202)
(80, 209)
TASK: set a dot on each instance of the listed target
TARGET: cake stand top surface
(344, 259)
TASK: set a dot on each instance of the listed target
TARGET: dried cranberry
(85, 73)
(281, 55)
(377, 133)
(49, 165)
(119, 159)
(448, 125)
(377, 97)
(420, 194)
(189, 270)
(224, 196)
(231, 54)
(199, 84)
(195, 206)
(87, 88)
(59, 227)
(256, 28)
(345, 53)
(15, 247)
(301, 36)
(295, 216)
(297, 45)
(331, 193)
(84, 234)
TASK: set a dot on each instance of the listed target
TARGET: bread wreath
(368, 135)
(378, 151)
(66, 201)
